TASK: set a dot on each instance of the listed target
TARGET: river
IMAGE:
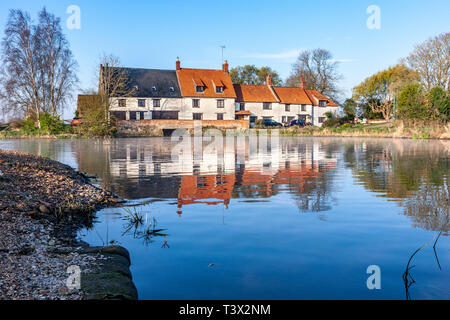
(304, 218)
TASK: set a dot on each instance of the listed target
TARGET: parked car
(271, 123)
(75, 122)
(297, 122)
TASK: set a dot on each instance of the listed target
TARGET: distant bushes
(96, 123)
(49, 125)
(417, 105)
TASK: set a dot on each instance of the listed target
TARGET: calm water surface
(301, 220)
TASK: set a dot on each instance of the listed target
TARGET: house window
(287, 107)
(267, 106)
(195, 103)
(156, 103)
(122, 103)
(321, 119)
(220, 103)
(219, 89)
(322, 103)
(220, 116)
(141, 103)
(289, 119)
(304, 107)
(197, 116)
(284, 119)
(242, 106)
(199, 89)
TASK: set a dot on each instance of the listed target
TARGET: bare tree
(38, 71)
(20, 75)
(431, 60)
(56, 63)
(113, 81)
(319, 70)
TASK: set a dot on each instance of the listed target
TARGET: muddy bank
(43, 204)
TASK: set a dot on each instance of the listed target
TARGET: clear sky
(151, 34)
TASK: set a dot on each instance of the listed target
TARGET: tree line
(415, 89)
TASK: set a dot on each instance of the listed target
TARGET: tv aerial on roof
(223, 48)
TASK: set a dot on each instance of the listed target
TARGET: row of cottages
(282, 104)
(203, 94)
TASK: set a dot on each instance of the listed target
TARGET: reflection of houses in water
(209, 189)
(218, 189)
(218, 174)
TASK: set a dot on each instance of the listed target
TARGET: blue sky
(151, 34)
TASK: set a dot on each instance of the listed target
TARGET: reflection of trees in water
(414, 172)
(316, 194)
(429, 207)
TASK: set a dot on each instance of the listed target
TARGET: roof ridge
(140, 68)
(201, 69)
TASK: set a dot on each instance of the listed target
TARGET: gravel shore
(42, 205)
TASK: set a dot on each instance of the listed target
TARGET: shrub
(52, 124)
(94, 123)
(440, 101)
(28, 126)
(49, 125)
(330, 123)
(347, 126)
(329, 115)
(411, 104)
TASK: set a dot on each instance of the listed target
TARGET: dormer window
(199, 89)
(322, 103)
(172, 89)
(219, 89)
(154, 88)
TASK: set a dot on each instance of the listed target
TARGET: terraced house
(181, 94)
(187, 94)
(282, 104)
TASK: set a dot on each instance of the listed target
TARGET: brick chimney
(178, 64)
(302, 83)
(225, 67)
(269, 80)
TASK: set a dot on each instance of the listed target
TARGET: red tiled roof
(315, 96)
(292, 95)
(189, 78)
(254, 93)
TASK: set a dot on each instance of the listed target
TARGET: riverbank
(383, 130)
(43, 204)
